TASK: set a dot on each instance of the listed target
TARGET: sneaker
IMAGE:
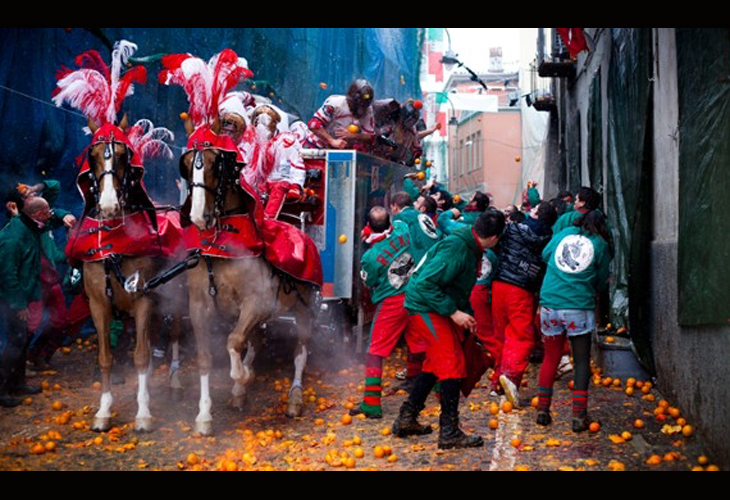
(511, 391)
(544, 419)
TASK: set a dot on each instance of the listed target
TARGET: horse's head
(211, 166)
(110, 163)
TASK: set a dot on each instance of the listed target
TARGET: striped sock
(580, 403)
(371, 404)
(545, 398)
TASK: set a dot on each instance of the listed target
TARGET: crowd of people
(518, 283)
(443, 273)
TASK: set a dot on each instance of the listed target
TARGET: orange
(38, 449)
(350, 463)
(359, 453)
(507, 407)
(379, 452)
(654, 460)
(343, 239)
(703, 460)
(192, 458)
(353, 129)
(346, 420)
(421, 176)
(639, 424)
(494, 424)
(594, 427)
(627, 436)
(51, 446)
(535, 402)
(674, 413)
(516, 443)
(630, 391)
(688, 431)
(494, 409)
(57, 406)
(385, 432)
(392, 459)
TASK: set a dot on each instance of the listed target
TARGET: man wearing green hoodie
(20, 267)
(437, 298)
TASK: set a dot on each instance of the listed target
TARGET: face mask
(263, 127)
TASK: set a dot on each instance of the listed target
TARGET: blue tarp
(39, 141)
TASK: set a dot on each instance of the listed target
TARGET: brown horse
(112, 180)
(245, 290)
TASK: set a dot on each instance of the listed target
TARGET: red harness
(235, 237)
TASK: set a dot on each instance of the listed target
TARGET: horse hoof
(205, 429)
(239, 402)
(102, 425)
(296, 403)
(143, 425)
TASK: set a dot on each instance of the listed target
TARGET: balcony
(554, 60)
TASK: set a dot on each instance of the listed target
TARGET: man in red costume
(274, 159)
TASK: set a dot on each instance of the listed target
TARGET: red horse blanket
(132, 236)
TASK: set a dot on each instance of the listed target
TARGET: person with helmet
(345, 121)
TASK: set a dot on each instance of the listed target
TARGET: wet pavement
(52, 431)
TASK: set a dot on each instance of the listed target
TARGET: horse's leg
(175, 382)
(242, 373)
(301, 354)
(142, 361)
(252, 349)
(101, 313)
(200, 304)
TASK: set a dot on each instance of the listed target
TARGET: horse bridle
(225, 169)
(110, 154)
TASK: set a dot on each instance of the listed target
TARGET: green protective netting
(628, 186)
(703, 59)
(595, 135)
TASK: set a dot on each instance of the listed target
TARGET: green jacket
(578, 269)
(424, 233)
(387, 266)
(20, 263)
(444, 281)
(488, 269)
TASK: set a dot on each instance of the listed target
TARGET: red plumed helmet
(97, 90)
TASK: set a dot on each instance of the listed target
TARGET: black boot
(407, 422)
(451, 436)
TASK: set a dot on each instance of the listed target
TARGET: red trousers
(391, 322)
(277, 197)
(481, 302)
(444, 351)
(514, 318)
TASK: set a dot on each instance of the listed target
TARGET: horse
(246, 290)
(113, 184)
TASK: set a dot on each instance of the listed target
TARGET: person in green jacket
(437, 297)
(20, 267)
(386, 268)
(423, 231)
(578, 260)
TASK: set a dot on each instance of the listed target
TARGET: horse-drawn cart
(350, 183)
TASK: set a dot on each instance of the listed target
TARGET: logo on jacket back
(574, 254)
(428, 226)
